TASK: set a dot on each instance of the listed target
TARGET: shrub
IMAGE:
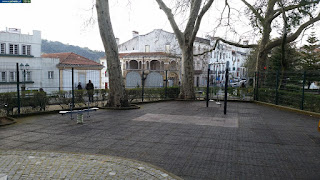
(8, 101)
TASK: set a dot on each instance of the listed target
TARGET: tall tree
(265, 16)
(310, 60)
(186, 40)
(289, 63)
(117, 94)
(311, 54)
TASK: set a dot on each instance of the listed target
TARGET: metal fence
(293, 89)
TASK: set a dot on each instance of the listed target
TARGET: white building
(84, 70)
(25, 50)
(157, 52)
(104, 74)
(224, 54)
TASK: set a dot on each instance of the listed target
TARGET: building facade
(226, 54)
(25, 50)
(156, 54)
(104, 74)
(83, 70)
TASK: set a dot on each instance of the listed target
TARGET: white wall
(157, 39)
(93, 75)
(38, 67)
(104, 79)
(23, 39)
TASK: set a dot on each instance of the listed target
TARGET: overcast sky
(66, 20)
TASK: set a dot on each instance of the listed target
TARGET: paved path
(184, 138)
(53, 165)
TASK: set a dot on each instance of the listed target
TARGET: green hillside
(58, 47)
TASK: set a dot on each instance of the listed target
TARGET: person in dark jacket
(79, 86)
(90, 89)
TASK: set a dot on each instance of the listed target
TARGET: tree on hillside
(197, 9)
(117, 93)
(265, 16)
(311, 54)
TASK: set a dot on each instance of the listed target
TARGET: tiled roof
(71, 59)
(145, 54)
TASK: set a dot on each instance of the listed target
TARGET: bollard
(3, 177)
(80, 118)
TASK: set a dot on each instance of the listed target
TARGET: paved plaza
(161, 140)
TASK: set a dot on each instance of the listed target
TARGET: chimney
(14, 30)
(117, 40)
(135, 34)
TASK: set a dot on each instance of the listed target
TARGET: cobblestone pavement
(53, 165)
(184, 138)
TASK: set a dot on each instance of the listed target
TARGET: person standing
(79, 86)
(90, 89)
(243, 90)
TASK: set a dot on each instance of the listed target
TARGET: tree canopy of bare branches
(186, 38)
(266, 15)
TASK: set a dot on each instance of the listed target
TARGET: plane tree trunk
(186, 40)
(117, 95)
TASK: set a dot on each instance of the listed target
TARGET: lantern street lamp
(24, 69)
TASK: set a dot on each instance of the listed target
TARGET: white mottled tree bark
(117, 94)
(186, 40)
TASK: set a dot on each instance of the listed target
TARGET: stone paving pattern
(266, 143)
(52, 165)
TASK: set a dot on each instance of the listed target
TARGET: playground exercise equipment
(79, 113)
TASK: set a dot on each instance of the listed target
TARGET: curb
(122, 108)
(314, 114)
(8, 123)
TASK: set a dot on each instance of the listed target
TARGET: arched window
(133, 64)
(154, 65)
(173, 65)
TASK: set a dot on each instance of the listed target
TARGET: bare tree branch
(173, 23)
(292, 7)
(254, 11)
(227, 42)
(203, 11)
(195, 8)
(295, 35)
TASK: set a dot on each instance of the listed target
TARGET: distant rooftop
(12, 30)
(72, 60)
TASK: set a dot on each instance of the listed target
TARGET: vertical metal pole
(226, 90)
(208, 86)
(166, 87)
(254, 86)
(277, 87)
(18, 86)
(142, 92)
(72, 87)
(257, 98)
(304, 83)
(24, 79)
(142, 78)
